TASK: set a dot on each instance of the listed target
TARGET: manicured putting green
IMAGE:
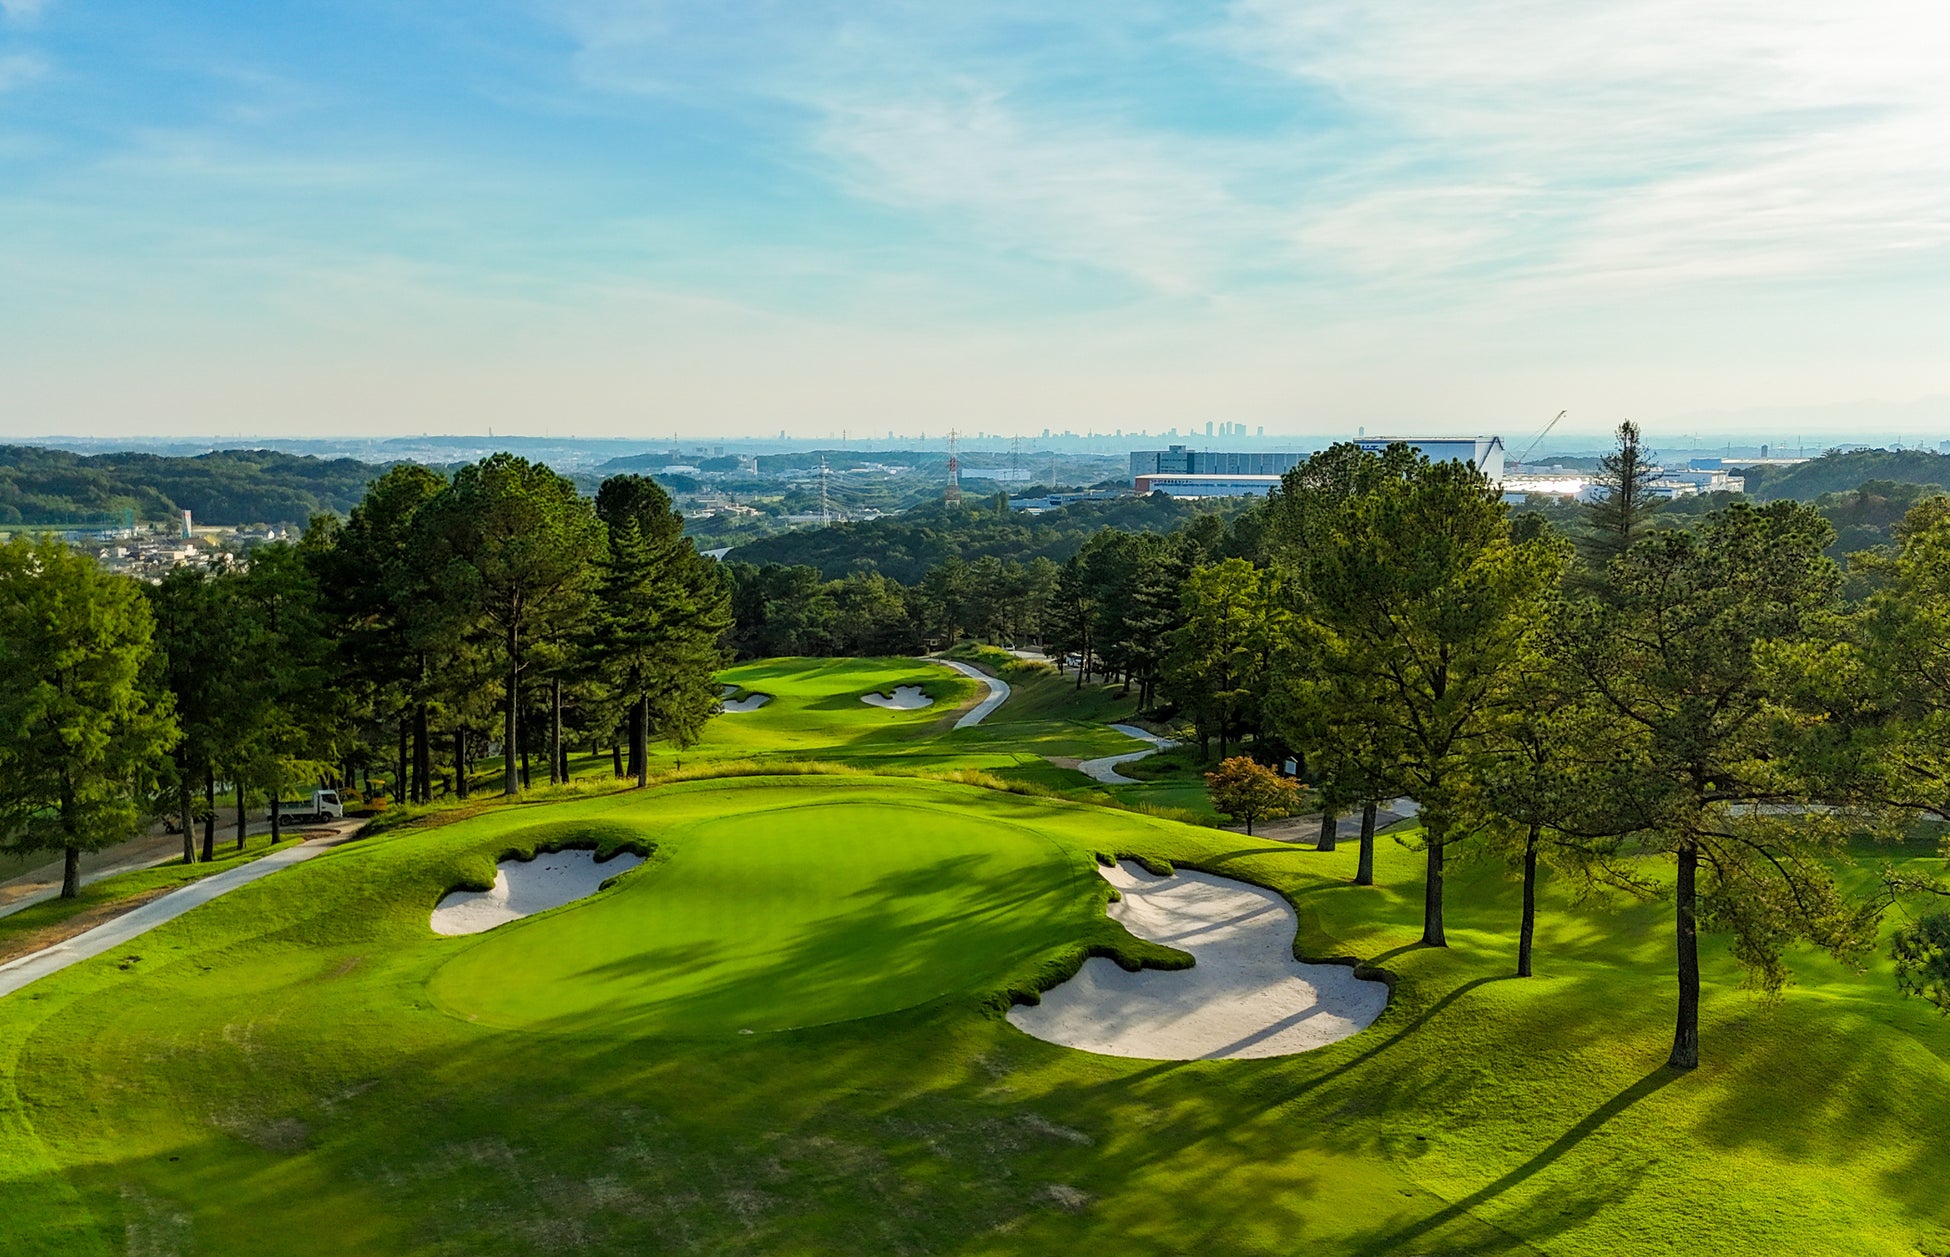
(788, 915)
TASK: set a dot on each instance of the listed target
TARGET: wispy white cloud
(1521, 142)
(21, 10)
(1639, 140)
(1071, 190)
(17, 69)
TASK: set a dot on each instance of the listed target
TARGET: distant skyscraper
(1208, 427)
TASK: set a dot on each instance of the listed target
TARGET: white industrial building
(1485, 451)
(1182, 472)
(1202, 486)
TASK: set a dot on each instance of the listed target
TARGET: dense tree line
(907, 546)
(1839, 471)
(228, 487)
(496, 612)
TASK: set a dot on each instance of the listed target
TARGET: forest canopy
(906, 547)
(228, 487)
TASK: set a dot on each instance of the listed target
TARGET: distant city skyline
(1724, 220)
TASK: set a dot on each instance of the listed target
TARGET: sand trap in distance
(524, 887)
(903, 698)
(1245, 997)
(750, 702)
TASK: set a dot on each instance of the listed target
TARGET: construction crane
(1521, 458)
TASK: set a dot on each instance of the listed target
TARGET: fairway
(785, 915)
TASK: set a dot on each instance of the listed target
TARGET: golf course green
(786, 913)
(304, 1068)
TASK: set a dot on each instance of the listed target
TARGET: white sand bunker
(525, 887)
(1246, 997)
(750, 702)
(903, 698)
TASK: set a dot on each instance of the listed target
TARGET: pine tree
(1670, 660)
(1415, 610)
(82, 740)
(1621, 511)
(515, 544)
(662, 612)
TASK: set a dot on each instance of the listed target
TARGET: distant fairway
(816, 704)
(785, 913)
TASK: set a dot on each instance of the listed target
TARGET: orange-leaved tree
(1247, 790)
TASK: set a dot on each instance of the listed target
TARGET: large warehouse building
(1184, 472)
(1485, 451)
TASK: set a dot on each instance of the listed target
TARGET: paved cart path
(1104, 769)
(109, 935)
(998, 692)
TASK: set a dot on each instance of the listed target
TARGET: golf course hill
(768, 1011)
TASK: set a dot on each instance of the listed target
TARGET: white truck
(323, 805)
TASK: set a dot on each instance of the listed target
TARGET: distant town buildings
(1700, 475)
(1050, 501)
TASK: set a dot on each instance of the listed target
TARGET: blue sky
(627, 216)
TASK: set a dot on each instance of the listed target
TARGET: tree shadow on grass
(1402, 1240)
(1420, 1019)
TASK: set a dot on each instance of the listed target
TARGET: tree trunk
(525, 779)
(422, 756)
(185, 813)
(510, 783)
(70, 872)
(401, 783)
(1528, 929)
(277, 817)
(460, 762)
(209, 813)
(1364, 869)
(555, 774)
(640, 739)
(1685, 1035)
(616, 757)
(1330, 829)
(1432, 935)
(243, 821)
(1249, 825)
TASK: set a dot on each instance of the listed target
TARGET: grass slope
(48, 922)
(292, 1069)
(274, 1075)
